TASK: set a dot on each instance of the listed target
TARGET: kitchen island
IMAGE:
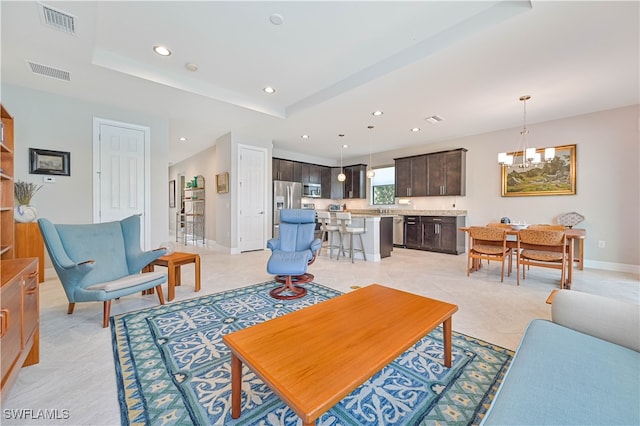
(378, 236)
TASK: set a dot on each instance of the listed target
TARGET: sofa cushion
(563, 377)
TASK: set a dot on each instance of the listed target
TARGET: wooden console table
(29, 243)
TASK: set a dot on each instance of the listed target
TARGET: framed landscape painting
(556, 177)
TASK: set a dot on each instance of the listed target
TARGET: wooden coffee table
(173, 262)
(314, 357)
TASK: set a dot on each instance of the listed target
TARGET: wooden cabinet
(311, 173)
(337, 187)
(435, 233)
(436, 174)
(386, 236)
(446, 173)
(29, 243)
(354, 185)
(6, 186)
(411, 176)
(20, 319)
(283, 170)
(326, 182)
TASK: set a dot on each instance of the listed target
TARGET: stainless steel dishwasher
(398, 231)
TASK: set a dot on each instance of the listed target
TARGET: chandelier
(529, 157)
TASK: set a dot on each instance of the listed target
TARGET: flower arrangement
(24, 191)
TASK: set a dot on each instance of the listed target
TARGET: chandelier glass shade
(527, 156)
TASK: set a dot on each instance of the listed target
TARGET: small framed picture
(222, 183)
(47, 162)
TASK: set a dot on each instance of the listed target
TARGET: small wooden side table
(173, 262)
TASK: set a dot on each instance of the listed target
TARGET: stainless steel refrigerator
(286, 195)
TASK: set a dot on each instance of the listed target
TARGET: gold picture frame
(557, 177)
(222, 183)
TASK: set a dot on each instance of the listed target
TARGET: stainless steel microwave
(312, 190)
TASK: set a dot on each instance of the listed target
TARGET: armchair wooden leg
(105, 316)
(160, 296)
(71, 307)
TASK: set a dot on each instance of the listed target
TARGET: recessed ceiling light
(191, 66)
(415, 129)
(269, 89)
(182, 139)
(162, 51)
(345, 146)
(305, 136)
(377, 113)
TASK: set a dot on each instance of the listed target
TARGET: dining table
(572, 234)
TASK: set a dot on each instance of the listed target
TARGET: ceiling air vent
(434, 119)
(48, 71)
(57, 19)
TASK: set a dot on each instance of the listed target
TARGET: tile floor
(76, 369)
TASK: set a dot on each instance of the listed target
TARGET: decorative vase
(25, 214)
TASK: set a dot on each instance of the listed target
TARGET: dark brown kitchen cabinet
(326, 182)
(354, 184)
(411, 176)
(435, 233)
(311, 173)
(436, 174)
(283, 170)
(446, 173)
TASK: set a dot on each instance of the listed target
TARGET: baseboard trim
(611, 266)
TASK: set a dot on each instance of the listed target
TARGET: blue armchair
(101, 261)
(292, 252)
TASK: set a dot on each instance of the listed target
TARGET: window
(383, 186)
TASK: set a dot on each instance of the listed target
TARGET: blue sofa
(581, 368)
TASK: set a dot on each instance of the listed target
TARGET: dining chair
(489, 243)
(542, 247)
(329, 229)
(346, 229)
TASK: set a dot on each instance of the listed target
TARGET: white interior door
(252, 198)
(121, 177)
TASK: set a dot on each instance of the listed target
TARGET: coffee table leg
(446, 328)
(197, 272)
(236, 386)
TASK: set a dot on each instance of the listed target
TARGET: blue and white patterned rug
(172, 368)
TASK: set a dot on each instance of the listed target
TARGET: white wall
(59, 123)
(608, 177)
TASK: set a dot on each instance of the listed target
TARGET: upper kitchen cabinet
(311, 173)
(327, 183)
(440, 173)
(411, 176)
(282, 170)
(446, 173)
(354, 185)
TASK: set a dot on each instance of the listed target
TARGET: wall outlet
(602, 244)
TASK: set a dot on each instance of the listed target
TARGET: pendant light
(341, 177)
(370, 172)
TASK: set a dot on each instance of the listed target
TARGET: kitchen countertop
(402, 212)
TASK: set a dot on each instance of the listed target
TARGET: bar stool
(344, 222)
(328, 229)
